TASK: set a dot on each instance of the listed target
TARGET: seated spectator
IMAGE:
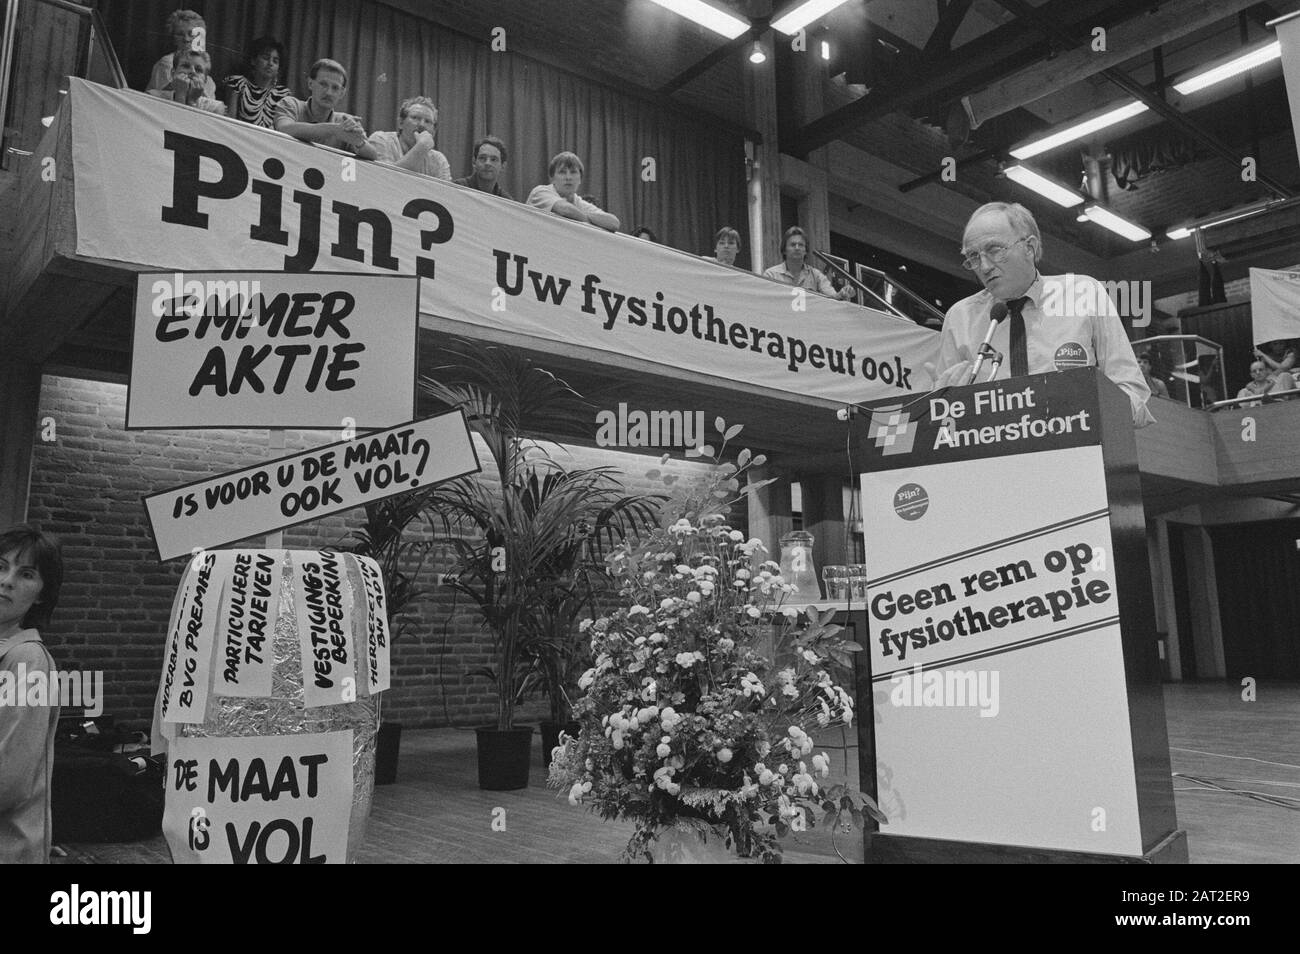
(252, 96)
(188, 32)
(1158, 387)
(489, 163)
(644, 232)
(189, 79)
(1262, 383)
(794, 270)
(315, 119)
(726, 246)
(560, 196)
(1278, 355)
(410, 146)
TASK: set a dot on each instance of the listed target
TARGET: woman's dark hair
(44, 552)
(260, 46)
(644, 230)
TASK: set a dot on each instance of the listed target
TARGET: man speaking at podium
(1040, 323)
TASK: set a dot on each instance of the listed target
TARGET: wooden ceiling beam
(1167, 24)
(951, 74)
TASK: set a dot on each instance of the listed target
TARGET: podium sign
(1012, 639)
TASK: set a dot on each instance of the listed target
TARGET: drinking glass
(837, 582)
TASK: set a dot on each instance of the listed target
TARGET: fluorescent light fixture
(1079, 130)
(1239, 64)
(719, 21)
(1179, 233)
(804, 14)
(1081, 217)
(756, 54)
(1109, 220)
(826, 50)
(1043, 186)
(1233, 217)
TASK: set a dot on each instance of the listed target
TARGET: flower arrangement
(685, 723)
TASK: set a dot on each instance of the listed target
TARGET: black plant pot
(551, 738)
(503, 758)
(388, 741)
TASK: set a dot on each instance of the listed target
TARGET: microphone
(996, 314)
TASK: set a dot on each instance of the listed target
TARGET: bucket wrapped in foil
(268, 706)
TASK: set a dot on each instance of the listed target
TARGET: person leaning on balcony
(188, 32)
(796, 271)
(1262, 382)
(489, 164)
(252, 96)
(726, 246)
(31, 574)
(189, 74)
(1043, 331)
(316, 120)
(560, 195)
(1158, 387)
(410, 146)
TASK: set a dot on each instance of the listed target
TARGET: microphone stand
(986, 350)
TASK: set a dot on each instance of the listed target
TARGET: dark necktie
(1019, 350)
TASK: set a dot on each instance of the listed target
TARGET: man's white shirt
(1070, 322)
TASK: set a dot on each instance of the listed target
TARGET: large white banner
(1288, 34)
(201, 192)
(266, 349)
(1274, 305)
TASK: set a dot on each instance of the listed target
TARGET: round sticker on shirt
(1071, 355)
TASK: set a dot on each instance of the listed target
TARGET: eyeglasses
(996, 253)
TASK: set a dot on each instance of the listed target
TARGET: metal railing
(44, 42)
(1272, 397)
(1190, 367)
(894, 298)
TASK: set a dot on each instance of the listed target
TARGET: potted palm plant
(518, 526)
(386, 537)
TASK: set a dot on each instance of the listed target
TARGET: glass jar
(797, 567)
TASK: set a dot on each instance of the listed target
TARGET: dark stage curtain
(1258, 570)
(536, 109)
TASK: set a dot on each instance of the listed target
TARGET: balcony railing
(885, 293)
(44, 42)
(1189, 365)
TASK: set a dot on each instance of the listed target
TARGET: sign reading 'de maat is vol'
(316, 483)
(280, 799)
(271, 349)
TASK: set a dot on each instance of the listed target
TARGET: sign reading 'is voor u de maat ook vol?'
(273, 349)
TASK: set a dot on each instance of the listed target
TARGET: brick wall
(112, 616)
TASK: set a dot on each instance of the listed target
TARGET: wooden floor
(436, 813)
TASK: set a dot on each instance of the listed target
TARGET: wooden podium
(1010, 649)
